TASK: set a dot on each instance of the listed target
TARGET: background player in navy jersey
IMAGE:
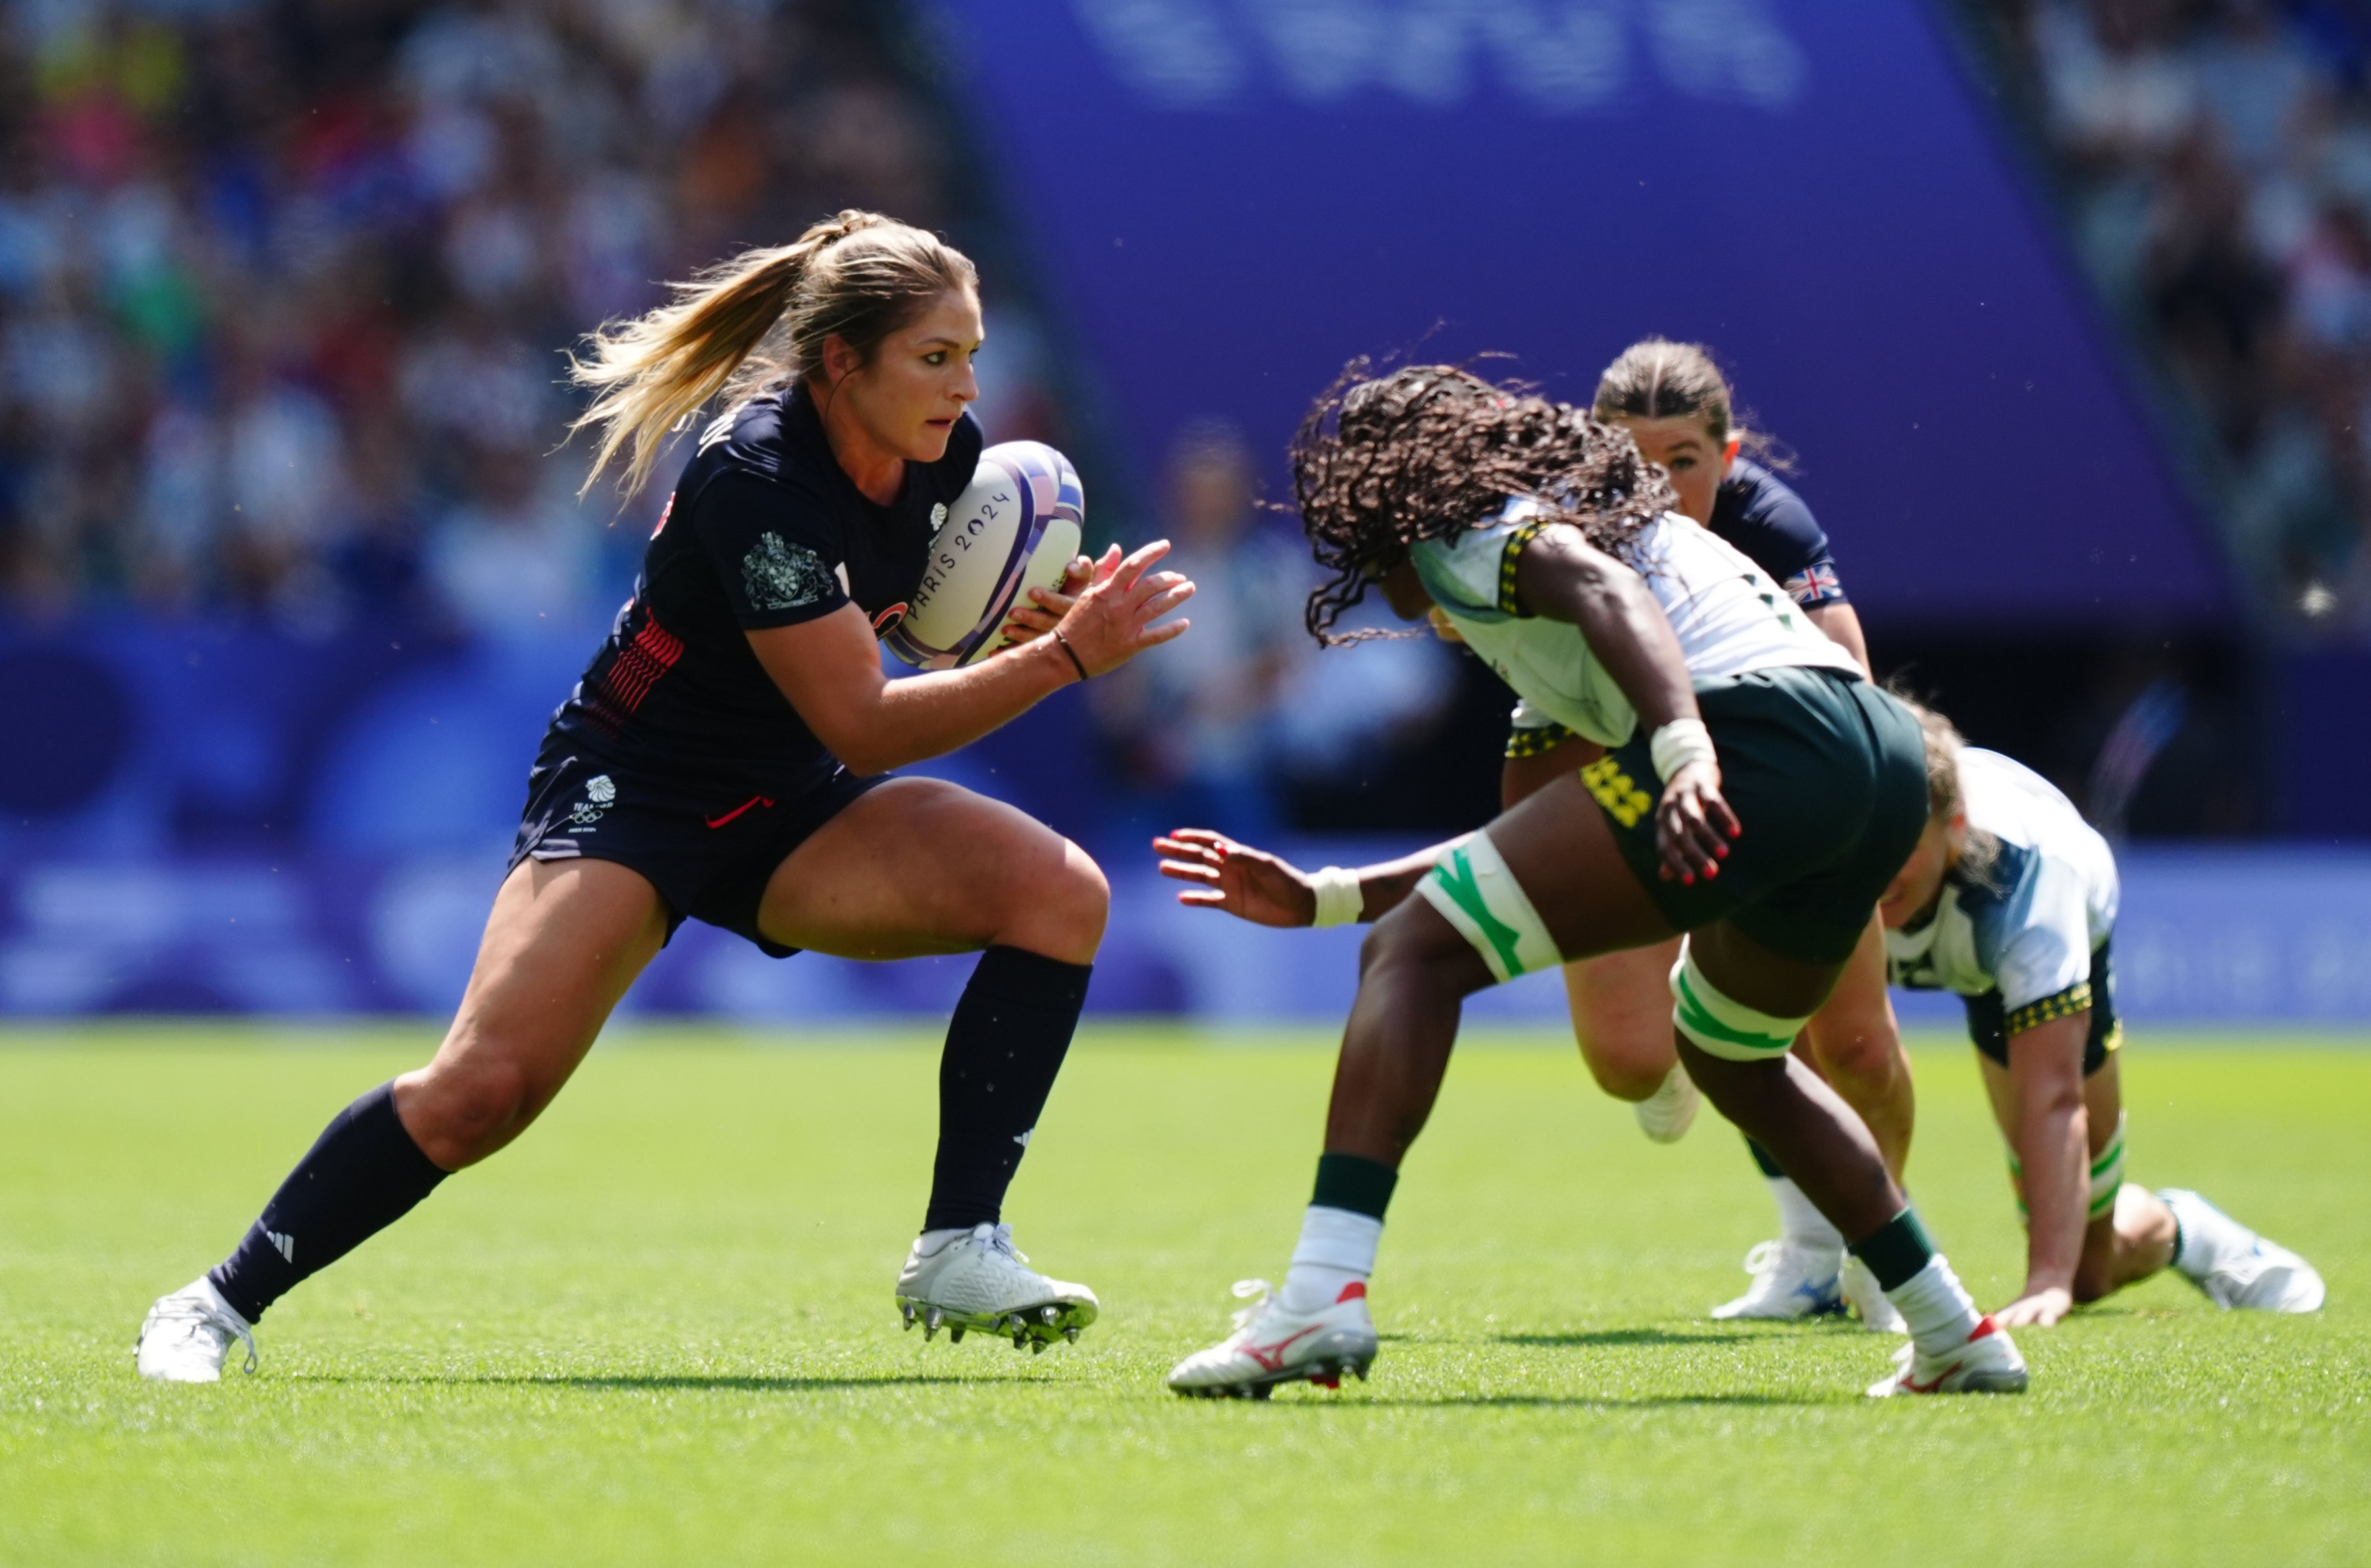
(723, 760)
(1677, 405)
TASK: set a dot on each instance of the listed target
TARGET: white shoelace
(198, 1315)
(1259, 1293)
(998, 1238)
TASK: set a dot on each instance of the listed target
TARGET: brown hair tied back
(1944, 798)
(1431, 451)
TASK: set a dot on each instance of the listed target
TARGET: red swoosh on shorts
(728, 816)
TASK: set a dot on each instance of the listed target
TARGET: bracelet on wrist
(1076, 662)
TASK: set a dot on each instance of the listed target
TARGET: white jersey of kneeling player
(1730, 618)
(2029, 922)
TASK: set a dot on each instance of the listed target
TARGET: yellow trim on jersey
(1531, 740)
(2075, 999)
(1509, 555)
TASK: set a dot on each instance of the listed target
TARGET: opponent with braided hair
(725, 758)
(1758, 793)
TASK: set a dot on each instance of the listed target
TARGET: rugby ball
(1015, 527)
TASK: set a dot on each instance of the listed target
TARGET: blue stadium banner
(1232, 197)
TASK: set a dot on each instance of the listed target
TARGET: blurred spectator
(282, 285)
(2218, 153)
(1196, 727)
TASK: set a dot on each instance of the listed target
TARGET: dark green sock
(1762, 1160)
(1355, 1183)
(1897, 1251)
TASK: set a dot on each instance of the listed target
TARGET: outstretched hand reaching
(1249, 883)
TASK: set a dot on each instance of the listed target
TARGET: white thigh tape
(1475, 893)
(1723, 1026)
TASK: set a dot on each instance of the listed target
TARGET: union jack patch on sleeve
(1815, 584)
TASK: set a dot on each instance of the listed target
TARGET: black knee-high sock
(1010, 1033)
(362, 1175)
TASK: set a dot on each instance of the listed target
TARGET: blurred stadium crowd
(283, 289)
(282, 286)
(2216, 159)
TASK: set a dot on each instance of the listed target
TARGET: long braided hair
(1432, 450)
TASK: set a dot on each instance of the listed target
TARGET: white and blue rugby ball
(1015, 527)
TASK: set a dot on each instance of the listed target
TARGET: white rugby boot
(186, 1336)
(2235, 1267)
(1788, 1282)
(1272, 1345)
(1987, 1364)
(982, 1280)
(1666, 1116)
(1859, 1288)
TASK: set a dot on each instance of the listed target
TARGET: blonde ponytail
(859, 276)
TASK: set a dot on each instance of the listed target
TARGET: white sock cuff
(1338, 1239)
(1935, 1306)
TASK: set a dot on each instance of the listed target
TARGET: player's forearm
(930, 715)
(1383, 886)
(1842, 624)
(2052, 1143)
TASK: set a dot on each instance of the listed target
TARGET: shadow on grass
(1627, 1336)
(722, 1382)
(1564, 1402)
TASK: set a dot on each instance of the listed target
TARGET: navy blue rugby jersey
(763, 529)
(1756, 512)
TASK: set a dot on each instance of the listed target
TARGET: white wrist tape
(1678, 744)
(1339, 900)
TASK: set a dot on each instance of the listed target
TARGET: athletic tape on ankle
(1476, 892)
(1723, 1026)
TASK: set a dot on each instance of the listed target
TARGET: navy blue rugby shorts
(708, 857)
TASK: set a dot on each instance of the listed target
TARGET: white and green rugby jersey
(2028, 926)
(1730, 616)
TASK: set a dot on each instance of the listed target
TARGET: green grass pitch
(659, 1330)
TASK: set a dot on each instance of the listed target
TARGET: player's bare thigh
(1622, 1016)
(565, 940)
(920, 866)
(1561, 850)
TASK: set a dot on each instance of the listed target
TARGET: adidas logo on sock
(285, 1245)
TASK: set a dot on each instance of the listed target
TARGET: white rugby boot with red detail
(1272, 1345)
(1987, 1364)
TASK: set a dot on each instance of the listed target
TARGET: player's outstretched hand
(1247, 882)
(1046, 606)
(1693, 823)
(1111, 619)
(2037, 1310)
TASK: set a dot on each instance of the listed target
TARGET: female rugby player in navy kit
(721, 760)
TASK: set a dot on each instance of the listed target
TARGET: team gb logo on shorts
(600, 789)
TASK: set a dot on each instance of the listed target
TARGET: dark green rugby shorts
(1827, 776)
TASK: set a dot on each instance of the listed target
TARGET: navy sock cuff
(1355, 1183)
(1897, 1251)
(1030, 979)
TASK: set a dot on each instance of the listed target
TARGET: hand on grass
(2036, 1309)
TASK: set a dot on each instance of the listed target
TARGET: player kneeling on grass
(723, 759)
(2010, 900)
(1759, 794)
